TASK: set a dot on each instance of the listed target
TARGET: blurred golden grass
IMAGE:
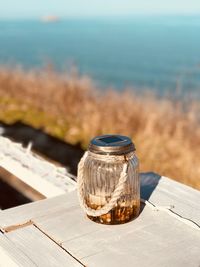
(166, 132)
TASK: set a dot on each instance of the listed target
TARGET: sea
(157, 53)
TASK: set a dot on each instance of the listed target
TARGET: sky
(86, 8)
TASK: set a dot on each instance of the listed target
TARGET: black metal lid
(111, 144)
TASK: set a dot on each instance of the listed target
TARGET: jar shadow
(148, 183)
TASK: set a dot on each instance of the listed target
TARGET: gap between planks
(57, 243)
(30, 222)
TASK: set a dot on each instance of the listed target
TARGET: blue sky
(85, 8)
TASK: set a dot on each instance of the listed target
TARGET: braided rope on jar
(115, 195)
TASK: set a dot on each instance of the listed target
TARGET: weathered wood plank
(71, 223)
(24, 213)
(20, 186)
(33, 180)
(6, 260)
(167, 192)
(11, 256)
(153, 232)
(154, 239)
(41, 250)
(34, 172)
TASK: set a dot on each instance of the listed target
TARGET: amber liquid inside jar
(117, 215)
(100, 180)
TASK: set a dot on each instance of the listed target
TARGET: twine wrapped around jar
(115, 195)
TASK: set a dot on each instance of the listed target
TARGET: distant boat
(49, 19)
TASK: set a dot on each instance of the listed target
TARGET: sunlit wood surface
(56, 232)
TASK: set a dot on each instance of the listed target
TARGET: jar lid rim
(112, 144)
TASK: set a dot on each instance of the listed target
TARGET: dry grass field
(166, 132)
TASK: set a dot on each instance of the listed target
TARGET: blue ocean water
(161, 53)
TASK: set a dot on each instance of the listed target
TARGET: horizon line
(88, 16)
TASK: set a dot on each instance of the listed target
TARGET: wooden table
(55, 231)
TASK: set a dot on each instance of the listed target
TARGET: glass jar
(108, 180)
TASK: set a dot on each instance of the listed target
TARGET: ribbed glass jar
(101, 177)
